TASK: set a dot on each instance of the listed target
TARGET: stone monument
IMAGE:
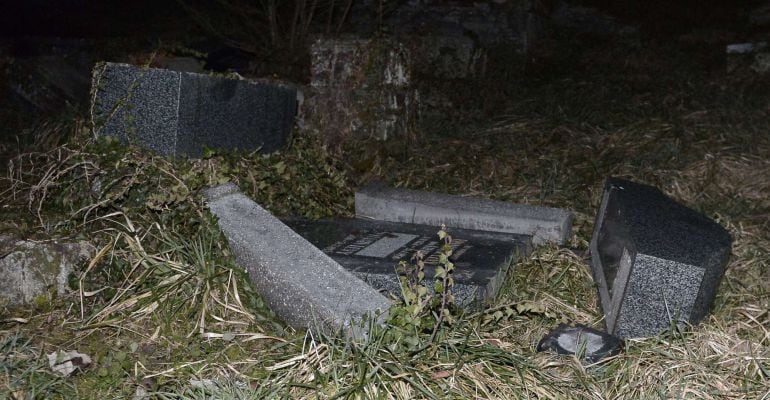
(655, 262)
(179, 113)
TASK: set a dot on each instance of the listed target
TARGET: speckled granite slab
(544, 224)
(178, 113)
(655, 262)
(304, 286)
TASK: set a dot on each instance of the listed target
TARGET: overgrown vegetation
(423, 309)
(163, 311)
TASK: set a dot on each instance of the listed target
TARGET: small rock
(592, 344)
(744, 48)
(30, 269)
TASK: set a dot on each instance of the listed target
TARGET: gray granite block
(304, 286)
(655, 262)
(544, 224)
(178, 113)
(372, 250)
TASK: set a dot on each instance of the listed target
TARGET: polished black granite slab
(372, 250)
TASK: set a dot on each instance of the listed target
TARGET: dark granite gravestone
(178, 113)
(655, 261)
(373, 249)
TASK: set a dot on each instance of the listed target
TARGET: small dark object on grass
(68, 363)
(588, 343)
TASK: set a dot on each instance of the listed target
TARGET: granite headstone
(179, 113)
(655, 262)
(301, 284)
(373, 249)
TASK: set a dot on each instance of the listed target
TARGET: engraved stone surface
(178, 113)
(298, 281)
(655, 262)
(544, 224)
(373, 249)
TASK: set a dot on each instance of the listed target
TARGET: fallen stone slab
(373, 249)
(376, 201)
(655, 262)
(179, 113)
(32, 269)
(301, 284)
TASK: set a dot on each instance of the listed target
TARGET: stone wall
(423, 60)
(360, 87)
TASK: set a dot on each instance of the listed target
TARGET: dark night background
(98, 19)
(128, 31)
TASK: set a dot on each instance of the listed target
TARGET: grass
(163, 311)
(24, 371)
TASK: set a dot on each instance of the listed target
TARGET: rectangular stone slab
(304, 286)
(655, 261)
(544, 224)
(179, 113)
(373, 249)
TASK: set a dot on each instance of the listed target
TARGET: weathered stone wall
(425, 61)
(361, 87)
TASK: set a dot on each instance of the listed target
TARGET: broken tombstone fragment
(656, 263)
(544, 224)
(588, 343)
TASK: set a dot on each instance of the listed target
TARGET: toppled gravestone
(655, 262)
(180, 113)
(29, 270)
(373, 249)
(587, 20)
(544, 224)
(301, 284)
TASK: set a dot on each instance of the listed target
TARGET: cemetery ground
(163, 311)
